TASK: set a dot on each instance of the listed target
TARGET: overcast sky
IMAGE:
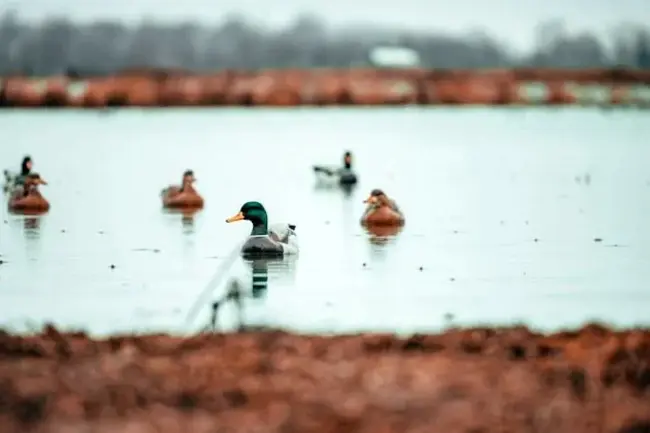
(512, 21)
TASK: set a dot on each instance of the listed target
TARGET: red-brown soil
(290, 88)
(469, 381)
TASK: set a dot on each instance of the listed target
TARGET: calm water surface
(502, 210)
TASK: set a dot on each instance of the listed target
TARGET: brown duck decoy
(27, 198)
(183, 197)
(381, 211)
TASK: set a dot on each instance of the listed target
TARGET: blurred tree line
(58, 46)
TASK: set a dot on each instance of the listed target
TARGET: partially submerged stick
(217, 278)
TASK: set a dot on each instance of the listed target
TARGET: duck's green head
(254, 212)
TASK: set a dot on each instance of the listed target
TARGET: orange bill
(41, 182)
(371, 199)
(238, 217)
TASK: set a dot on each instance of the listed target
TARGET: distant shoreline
(333, 87)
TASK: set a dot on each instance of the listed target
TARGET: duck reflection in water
(32, 225)
(380, 238)
(238, 291)
(259, 277)
(187, 217)
(347, 190)
(187, 220)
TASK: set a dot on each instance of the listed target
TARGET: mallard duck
(343, 175)
(381, 210)
(27, 198)
(276, 240)
(183, 197)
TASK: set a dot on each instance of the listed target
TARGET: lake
(537, 216)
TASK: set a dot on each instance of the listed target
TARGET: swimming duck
(276, 240)
(27, 198)
(343, 175)
(183, 197)
(381, 210)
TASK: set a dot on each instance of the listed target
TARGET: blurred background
(42, 37)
